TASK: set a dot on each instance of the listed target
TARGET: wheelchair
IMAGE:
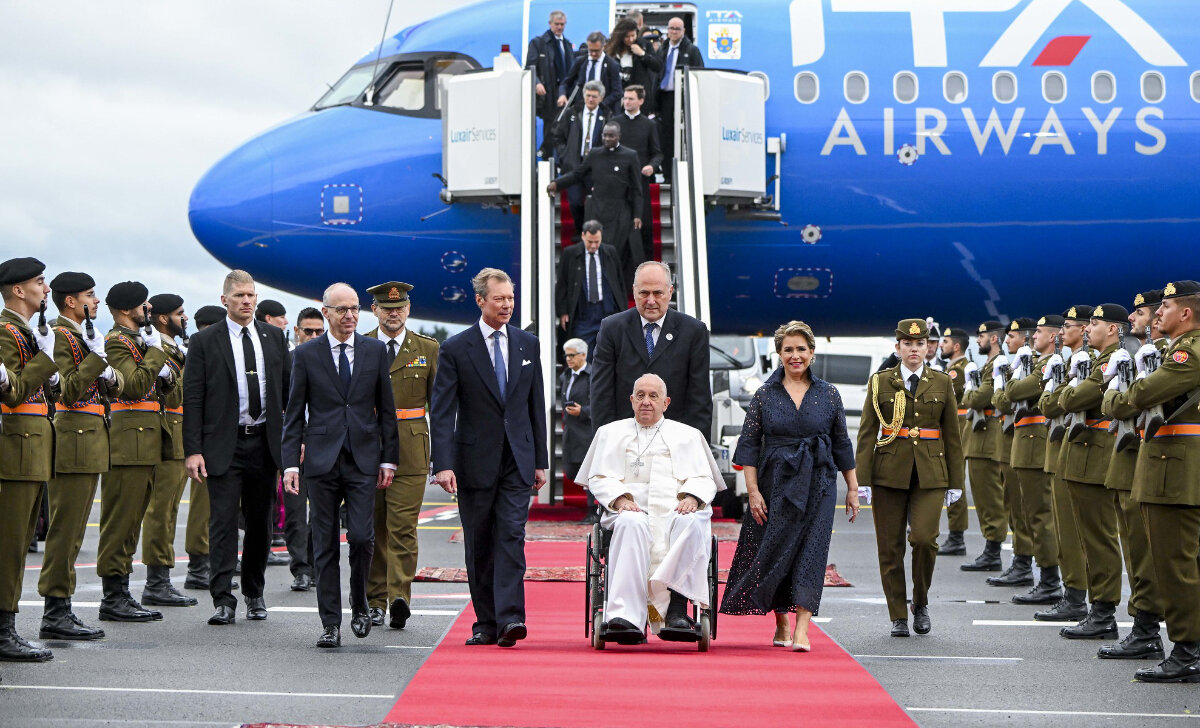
(596, 569)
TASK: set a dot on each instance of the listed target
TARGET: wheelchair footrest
(671, 634)
(623, 637)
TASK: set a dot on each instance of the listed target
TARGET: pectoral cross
(637, 466)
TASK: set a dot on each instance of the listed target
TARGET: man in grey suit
(575, 388)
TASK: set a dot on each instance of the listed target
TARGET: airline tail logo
(928, 21)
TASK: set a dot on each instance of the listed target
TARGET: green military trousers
(395, 561)
(162, 513)
(20, 503)
(1096, 524)
(124, 497)
(70, 498)
(988, 494)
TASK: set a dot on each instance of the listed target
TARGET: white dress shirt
(589, 129)
(337, 353)
(670, 61)
(399, 339)
(587, 277)
(491, 343)
(239, 371)
(658, 325)
(571, 382)
(905, 373)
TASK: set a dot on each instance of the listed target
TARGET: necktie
(570, 384)
(253, 398)
(587, 136)
(562, 58)
(669, 72)
(391, 352)
(591, 74)
(912, 383)
(498, 363)
(344, 368)
(650, 338)
(593, 274)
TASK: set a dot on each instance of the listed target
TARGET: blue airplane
(968, 160)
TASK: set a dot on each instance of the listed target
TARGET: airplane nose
(230, 208)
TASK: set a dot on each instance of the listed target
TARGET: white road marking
(270, 609)
(354, 696)
(822, 620)
(408, 647)
(1054, 712)
(941, 657)
(1028, 623)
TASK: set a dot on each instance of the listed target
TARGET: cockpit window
(405, 89)
(349, 88)
(444, 68)
(407, 84)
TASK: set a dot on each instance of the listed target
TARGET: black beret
(1052, 320)
(1113, 313)
(209, 315)
(1022, 324)
(71, 282)
(1148, 298)
(956, 332)
(1179, 288)
(162, 303)
(267, 307)
(1081, 312)
(126, 296)
(18, 270)
(989, 326)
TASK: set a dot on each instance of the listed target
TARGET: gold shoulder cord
(897, 413)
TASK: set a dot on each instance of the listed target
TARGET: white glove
(1073, 383)
(952, 496)
(1118, 356)
(968, 370)
(1024, 353)
(997, 380)
(864, 495)
(1053, 361)
(45, 342)
(109, 375)
(182, 349)
(165, 373)
(1116, 385)
(96, 344)
(153, 338)
(3, 375)
(1144, 354)
(53, 380)
(1077, 359)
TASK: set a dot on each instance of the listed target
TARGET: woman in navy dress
(792, 446)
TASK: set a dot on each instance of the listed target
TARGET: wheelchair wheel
(705, 631)
(714, 583)
(587, 591)
(597, 623)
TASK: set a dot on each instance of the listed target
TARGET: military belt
(174, 411)
(1099, 424)
(964, 412)
(1032, 420)
(410, 414)
(134, 407)
(29, 408)
(1178, 431)
(87, 409)
(914, 433)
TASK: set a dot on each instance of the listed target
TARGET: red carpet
(554, 678)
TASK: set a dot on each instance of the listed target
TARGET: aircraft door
(583, 16)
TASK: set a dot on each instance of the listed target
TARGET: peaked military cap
(912, 329)
(990, 326)
(126, 295)
(1113, 313)
(209, 315)
(1174, 290)
(393, 294)
(269, 307)
(1022, 324)
(162, 303)
(934, 331)
(1081, 312)
(71, 282)
(1148, 298)
(1053, 320)
(17, 270)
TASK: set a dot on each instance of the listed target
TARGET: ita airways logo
(1020, 41)
(724, 35)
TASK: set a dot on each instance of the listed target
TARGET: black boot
(1143, 643)
(198, 572)
(117, 607)
(1019, 574)
(989, 560)
(1182, 666)
(1100, 624)
(1047, 591)
(678, 626)
(58, 623)
(154, 613)
(161, 592)
(1071, 608)
(13, 647)
(954, 546)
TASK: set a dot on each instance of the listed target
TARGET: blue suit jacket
(366, 414)
(469, 422)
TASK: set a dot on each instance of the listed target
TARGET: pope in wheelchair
(654, 479)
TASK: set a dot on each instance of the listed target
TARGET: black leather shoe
(955, 545)
(511, 633)
(1048, 590)
(58, 623)
(330, 637)
(1142, 643)
(1019, 574)
(622, 632)
(256, 608)
(117, 607)
(277, 558)
(399, 613)
(223, 616)
(302, 582)
(921, 624)
(479, 638)
(360, 624)
(899, 627)
(989, 560)
(376, 616)
(1183, 666)
(159, 590)
(1071, 608)
(1100, 624)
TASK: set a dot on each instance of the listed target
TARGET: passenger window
(1054, 87)
(954, 87)
(1004, 87)
(766, 83)
(857, 87)
(1153, 87)
(1196, 86)
(1104, 87)
(808, 88)
(904, 87)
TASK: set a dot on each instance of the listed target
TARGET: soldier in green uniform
(413, 365)
(170, 477)
(1084, 464)
(987, 489)
(954, 353)
(27, 370)
(1165, 482)
(135, 446)
(86, 382)
(1143, 642)
(195, 539)
(1020, 571)
(1023, 390)
(1072, 607)
(910, 460)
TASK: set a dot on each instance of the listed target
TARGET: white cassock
(656, 549)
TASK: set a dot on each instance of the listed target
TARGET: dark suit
(646, 72)
(641, 135)
(680, 358)
(348, 434)
(616, 199)
(571, 300)
(687, 54)
(577, 429)
(493, 446)
(242, 468)
(569, 147)
(609, 75)
(545, 56)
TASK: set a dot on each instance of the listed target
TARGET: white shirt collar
(334, 343)
(235, 328)
(649, 427)
(580, 370)
(905, 372)
(487, 330)
(658, 323)
(633, 116)
(379, 334)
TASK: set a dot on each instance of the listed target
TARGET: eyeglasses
(313, 332)
(343, 310)
(573, 354)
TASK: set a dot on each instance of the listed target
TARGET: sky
(114, 110)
